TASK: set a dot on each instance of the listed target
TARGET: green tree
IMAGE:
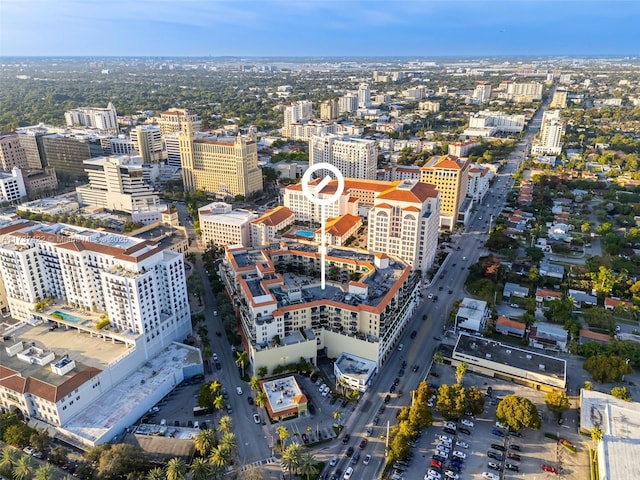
(25, 468)
(45, 472)
(534, 254)
(176, 469)
(474, 401)
(606, 369)
(291, 457)
(262, 372)
(621, 393)
(309, 466)
(557, 401)
(461, 371)
(450, 401)
(587, 385)
(40, 440)
(261, 399)
(401, 436)
(596, 437)
(254, 384)
(242, 360)
(220, 458)
(225, 424)
(205, 440)
(518, 412)
(283, 434)
(219, 402)
(200, 469)
(121, 459)
(337, 415)
(438, 357)
(156, 474)
(8, 459)
(215, 387)
(17, 435)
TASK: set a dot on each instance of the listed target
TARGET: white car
(334, 461)
(239, 390)
(462, 444)
(443, 438)
(256, 418)
(467, 423)
(433, 474)
(215, 357)
(452, 475)
(490, 476)
(321, 388)
(499, 425)
(443, 449)
(400, 347)
(325, 392)
(430, 296)
(451, 425)
(459, 454)
(446, 443)
(366, 459)
(348, 473)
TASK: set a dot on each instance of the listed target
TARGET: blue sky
(319, 27)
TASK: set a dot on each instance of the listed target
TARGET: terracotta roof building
(265, 228)
(507, 326)
(450, 175)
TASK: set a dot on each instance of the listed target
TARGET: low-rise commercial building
(221, 225)
(472, 315)
(284, 398)
(354, 372)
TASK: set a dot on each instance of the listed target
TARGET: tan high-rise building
(12, 153)
(559, 99)
(224, 166)
(172, 120)
(450, 175)
(329, 109)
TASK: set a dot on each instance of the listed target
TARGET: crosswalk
(258, 463)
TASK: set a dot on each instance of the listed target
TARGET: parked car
(513, 456)
(414, 334)
(495, 455)
(490, 476)
(493, 466)
(464, 430)
(334, 461)
(497, 446)
(498, 433)
(549, 469)
(415, 368)
(459, 454)
(462, 444)
(256, 418)
(466, 422)
(512, 467)
(513, 446)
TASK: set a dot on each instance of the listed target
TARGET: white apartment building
(364, 96)
(348, 104)
(366, 315)
(297, 112)
(404, 223)
(521, 92)
(122, 145)
(264, 230)
(172, 149)
(391, 173)
(103, 119)
(482, 92)
(117, 183)
(221, 225)
(354, 157)
(487, 123)
(551, 133)
(304, 131)
(462, 149)
(479, 180)
(148, 143)
(87, 276)
(429, 106)
(12, 186)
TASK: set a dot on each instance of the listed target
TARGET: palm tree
(215, 387)
(291, 457)
(8, 458)
(219, 457)
(219, 402)
(438, 357)
(225, 424)
(200, 469)
(283, 434)
(308, 466)
(461, 370)
(261, 399)
(176, 469)
(254, 383)
(228, 441)
(45, 472)
(24, 469)
(242, 360)
(205, 440)
(337, 415)
(156, 474)
(596, 437)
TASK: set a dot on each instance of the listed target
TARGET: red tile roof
(507, 322)
(275, 216)
(339, 226)
(600, 337)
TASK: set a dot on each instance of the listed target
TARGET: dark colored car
(349, 451)
(513, 446)
(363, 443)
(513, 456)
(376, 419)
(404, 363)
(312, 408)
(450, 431)
(204, 426)
(515, 433)
(435, 374)
(464, 430)
(344, 403)
(415, 368)
(346, 438)
(250, 400)
(387, 399)
(392, 388)
(401, 373)
(512, 467)
(495, 455)
(414, 334)
(489, 391)
(450, 291)
(218, 366)
(333, 400)
(497, 446)
(305, 438)
(396, 381)
(498, 433)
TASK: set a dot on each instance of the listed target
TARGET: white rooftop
(282, 393)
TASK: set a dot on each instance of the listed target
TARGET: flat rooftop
(282, 393)
(354, 366)
(510, 355)
(85, 350)
(156, 375)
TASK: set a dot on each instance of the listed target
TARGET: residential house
(551, 270)
(581, 299)
(548, 336)
(611, 303)
(543, 295)
(587, 335)
(515, 290)
(506, 326)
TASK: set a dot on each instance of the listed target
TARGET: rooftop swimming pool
(305, 234)
(67, 316)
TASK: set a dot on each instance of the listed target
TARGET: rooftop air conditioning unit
(541, 366)
(488, 356)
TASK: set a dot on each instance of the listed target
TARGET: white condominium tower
(404, 223)
(354, 157)
(103, 119)
(296, 112)
(364, 96)
(147, 140)
(550, 140)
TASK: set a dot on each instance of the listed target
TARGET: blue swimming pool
(305, 233)
(68, 317)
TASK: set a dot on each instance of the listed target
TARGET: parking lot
(534, 449)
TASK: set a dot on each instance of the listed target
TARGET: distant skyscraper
(354, 157)
(559, 99)
(329, 109)
(31, 141)
(551, 132)
(224, 166)
(348, 103)
(103, 119)
(296, 112)
(364, 96)
(148, 142)
(172, 120)
(12, 153)
(482, 92)
(66, 154)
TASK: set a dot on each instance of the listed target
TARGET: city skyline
(317, 28)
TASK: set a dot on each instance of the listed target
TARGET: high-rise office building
(12, 153)
(116, 183)
(172, 120)
(224, 166)
(31, 140)
(329, 110)
(354, 157)
(66, 154)
(450, 176)
(148, 142)
(404, 222)
(103, 119)
(364, 96)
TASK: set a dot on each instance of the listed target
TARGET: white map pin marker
(312, 192)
